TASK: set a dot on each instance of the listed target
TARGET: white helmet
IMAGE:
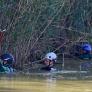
(51, 56)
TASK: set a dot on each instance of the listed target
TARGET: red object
(1, 36)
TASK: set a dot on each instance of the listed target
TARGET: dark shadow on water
(4, 89)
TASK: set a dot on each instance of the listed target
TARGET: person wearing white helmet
(51, 56)
(49, 61)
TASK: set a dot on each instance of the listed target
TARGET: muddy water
(47, 84)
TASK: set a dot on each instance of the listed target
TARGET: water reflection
(51, 85)
(4, 89)
(39, 84)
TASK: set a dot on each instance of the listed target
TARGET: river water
(42, 84)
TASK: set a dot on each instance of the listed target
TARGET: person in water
(83, 51)
(7, 62)
(86, 50)
(49, 61)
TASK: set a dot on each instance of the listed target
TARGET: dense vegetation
(35, 27)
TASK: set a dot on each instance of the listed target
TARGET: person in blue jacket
(7, 62)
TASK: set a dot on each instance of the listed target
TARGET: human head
(7, 59)
(87, 47)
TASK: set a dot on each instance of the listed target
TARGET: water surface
(39, 84)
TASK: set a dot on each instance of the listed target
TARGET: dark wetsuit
(46, 68)
(49, 64)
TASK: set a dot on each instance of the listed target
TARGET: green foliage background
(35, 27)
